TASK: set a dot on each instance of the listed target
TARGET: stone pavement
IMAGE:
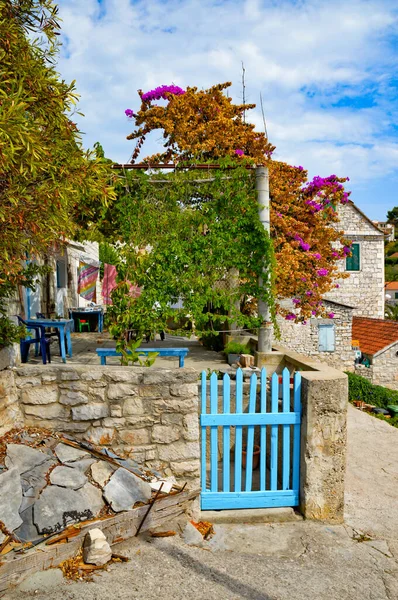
(84, 346)
(287, 561)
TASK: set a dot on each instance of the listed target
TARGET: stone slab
(10, 498)
(27, 531)
(68, 478)
(68, 454)
(42, 581)
(125, 489)
(101, 472)
(24, 458)
(58, 507)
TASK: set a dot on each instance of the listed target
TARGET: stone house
(391, 290)
(57, 291)
(364, 288)
(326, 340)
(378, 342)
(360, 294)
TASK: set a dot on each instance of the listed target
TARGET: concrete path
(371, 496)
(286, 561)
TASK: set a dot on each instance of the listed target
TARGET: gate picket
(250, 434)
(213, 434)
(263, 430)
(238, 431)
(226, 433)
(221, 495)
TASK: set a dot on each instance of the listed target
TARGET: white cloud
(302, 55)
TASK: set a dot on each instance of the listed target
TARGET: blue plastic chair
(39, 340)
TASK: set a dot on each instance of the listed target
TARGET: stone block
(191, 427)
(69, 376)
(73, 398)
(118, 391)
(90, 412)
(101, 472)
(73, 386)
(123, 375)
(101, 436)
(66, 453)
(141, 420)
(72, 426)
(168, 376)
(42, 394)
(175, 405)
(98, 393)
(171, 419)
(49, 378)
(47, 411)
(23, 382)
(179, 451)
(96, 550)
(165, 434)
(133, 406)
(116, 422)
(190, 468)
(24, 458)
(116, 410)
(152, 391)
(135, 437)
(184, 390)
(91, 373)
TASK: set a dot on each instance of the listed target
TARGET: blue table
(65, 327)
(84, 314)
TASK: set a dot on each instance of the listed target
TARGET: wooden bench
(180, 352)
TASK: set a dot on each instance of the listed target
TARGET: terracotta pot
(256, 456)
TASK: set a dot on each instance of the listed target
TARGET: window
(61, 274)
(353, 262)
(396, 295)
(327, 338)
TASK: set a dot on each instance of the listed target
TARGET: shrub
(236, 348)
(360, 388)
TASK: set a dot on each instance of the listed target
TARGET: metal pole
(262, 188)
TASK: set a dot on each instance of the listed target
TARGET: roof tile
(374, 334)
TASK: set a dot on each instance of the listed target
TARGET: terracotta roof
(395, 255)
(374, 334)
(392, 285)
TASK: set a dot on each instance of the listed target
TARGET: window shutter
(353, 261)
(327, 338)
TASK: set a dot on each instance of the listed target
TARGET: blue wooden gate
(272, 419)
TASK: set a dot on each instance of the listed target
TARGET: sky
(327, 71)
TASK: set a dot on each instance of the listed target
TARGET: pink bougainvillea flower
(337, 285)
(322, 272)
(161, 91)
(129, 113)
(290, 317)
(346, 250)
(313, 312)
(303, 279)
(296, 301)
(308, 293)
(239, 152)
(335, 254)
(331, 315)
(317, 256)
(305, 246)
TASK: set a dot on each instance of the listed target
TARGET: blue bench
(180, 352)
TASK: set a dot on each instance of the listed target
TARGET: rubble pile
(49, 482)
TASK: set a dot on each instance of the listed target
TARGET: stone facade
(363, 289)
(383, 369)
(305, 338)
(148, 415)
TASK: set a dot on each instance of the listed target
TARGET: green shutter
(353, 261)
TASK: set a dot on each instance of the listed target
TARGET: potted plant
(233, 350)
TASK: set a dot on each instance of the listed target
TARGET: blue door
(234, 439)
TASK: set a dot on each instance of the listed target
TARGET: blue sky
(327, 72)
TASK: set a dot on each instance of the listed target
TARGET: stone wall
(305, 338)
(10, 411)
(146, 414)
(384, 368)
(363, 289)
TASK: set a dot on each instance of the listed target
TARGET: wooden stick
(149, 510)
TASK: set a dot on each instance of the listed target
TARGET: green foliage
(191, 235)
(392, 216)
(131, 354)
(360, 388)
(47, 179)
(236, 348)
(107, 255)
(391, 312)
